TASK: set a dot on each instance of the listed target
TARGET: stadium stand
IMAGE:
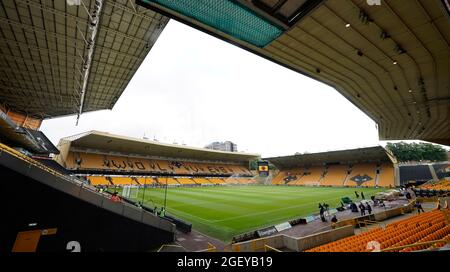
(202, 181)
(123, 181)
(362, 174)
(98, 180)
(278, 179)
(186, 181)
(24, 136)
(288, 176)
(230, 181)
(429, 226)
(171, 181)
(86, 161)
(335, 175)
(134, 163)
(246, 181)
(77, 161)
(146, 180)
(310, 176)
(22, 120)
(161, 181)
(386, 177)
(168, 180)
(333, 168)
(217, 181)
(238, 181)
(442, 184)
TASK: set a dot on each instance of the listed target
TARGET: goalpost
(130, 191)
(312, 183)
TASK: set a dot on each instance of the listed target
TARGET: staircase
(433, 173)
(344, 183)
(322, 176)
(136, 180)
(377, 177)
(109, 179)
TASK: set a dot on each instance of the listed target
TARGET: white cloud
(195, 89)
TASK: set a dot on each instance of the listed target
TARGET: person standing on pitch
(356, 193)
(369, 209)
(322, 217)
(333, 222)
(325, 206)
(363, 209)
(163, 212)
(362, 195)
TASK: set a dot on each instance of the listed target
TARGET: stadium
(98, 191)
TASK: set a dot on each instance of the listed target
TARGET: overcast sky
(194, 89)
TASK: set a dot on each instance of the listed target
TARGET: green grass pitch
(225, 211)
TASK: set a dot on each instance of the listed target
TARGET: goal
(130, 191)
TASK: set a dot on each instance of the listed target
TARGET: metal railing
(228, 248)
(370, 223)
(211, 248)
(17, 154)
(413, 245)
(70, 179)
(177, 246)
(268, 248)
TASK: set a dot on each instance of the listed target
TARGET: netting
(130, 191)
(228, 16)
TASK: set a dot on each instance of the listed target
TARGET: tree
(417, 151)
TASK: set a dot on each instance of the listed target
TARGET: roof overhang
(368, 154)
(52, 63)
(439, 141)
(95, 141)
(22, 137)
(391, 60)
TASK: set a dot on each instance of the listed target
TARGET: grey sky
(195, 89)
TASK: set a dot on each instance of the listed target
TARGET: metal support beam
(95, 22)
(39, 30)
(83, 22)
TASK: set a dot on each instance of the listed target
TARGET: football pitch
(225, 211)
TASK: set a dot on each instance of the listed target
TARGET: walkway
(195, 241)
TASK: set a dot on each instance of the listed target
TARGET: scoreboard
(263, 168)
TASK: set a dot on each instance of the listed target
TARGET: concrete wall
(397, 182)
(388, 214)
(325, 237)
(257, 245)
(433, 173)
(292, 243)
(66, 204)
(63, 147)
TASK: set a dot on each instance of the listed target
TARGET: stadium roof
(390, 60)
(368, 154)
(57, 59)
(106, 142)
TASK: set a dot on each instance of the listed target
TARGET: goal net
(312, 183)
(130, 191)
